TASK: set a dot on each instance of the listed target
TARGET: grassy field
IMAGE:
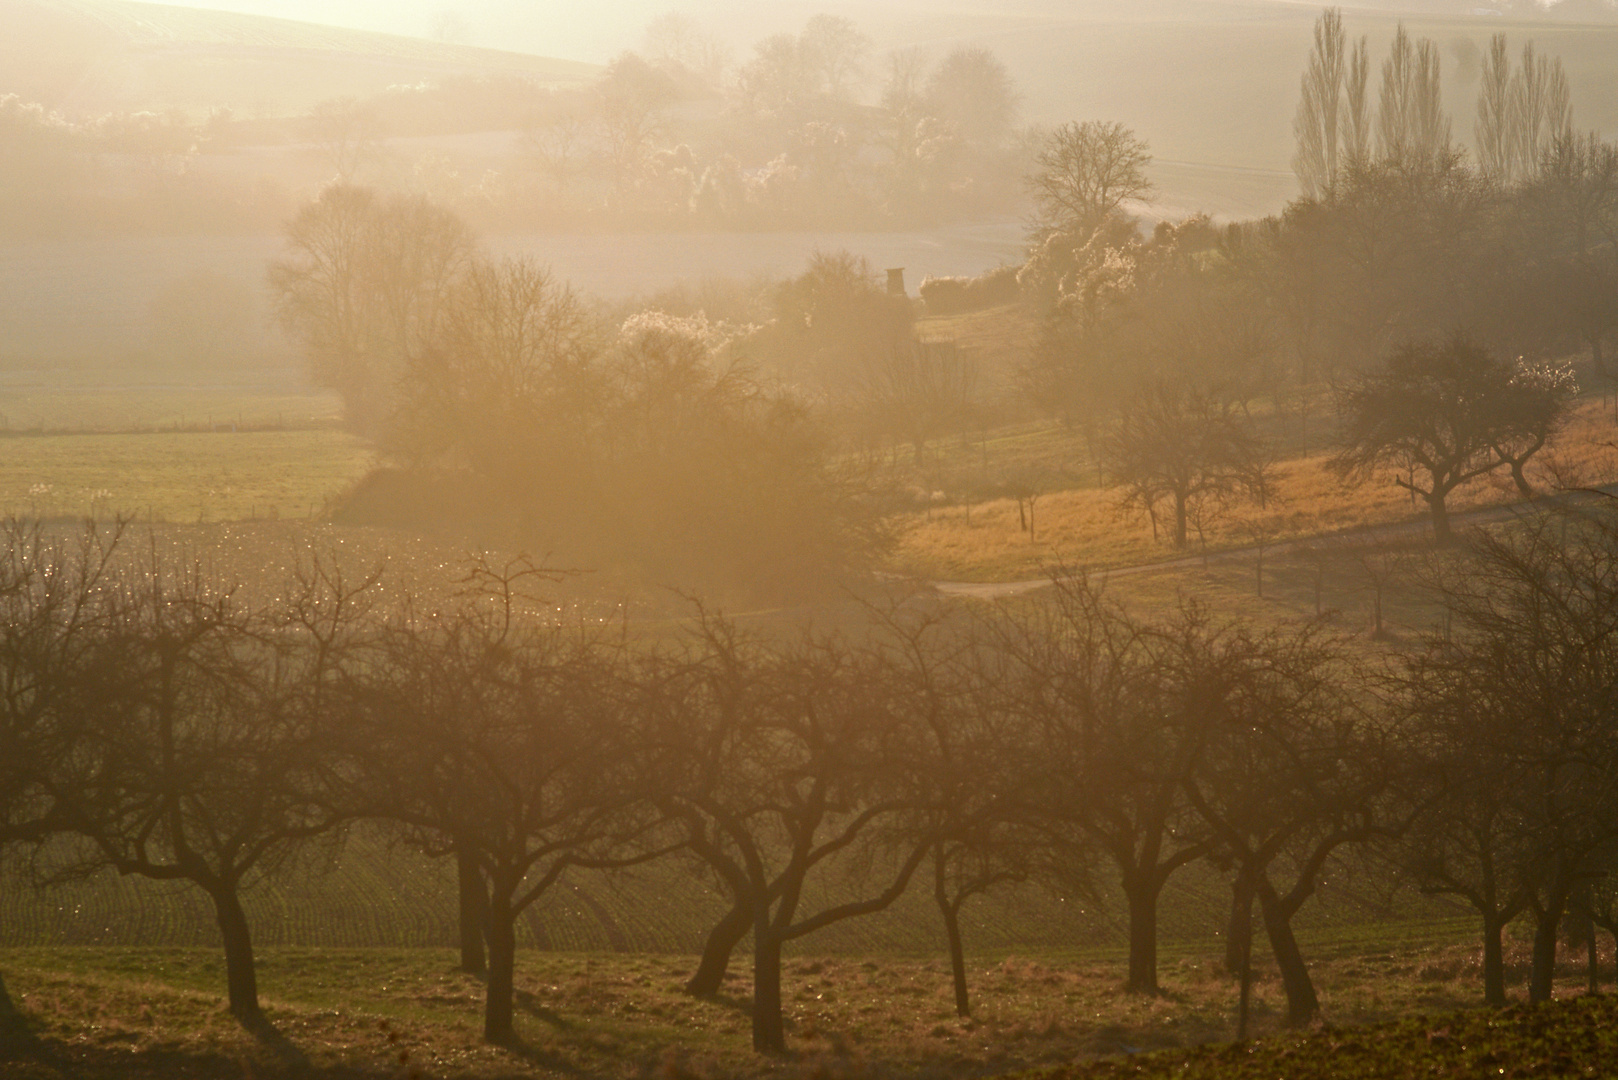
(104, 1012)
(1080, 524)
(186, 476)
(55, 409)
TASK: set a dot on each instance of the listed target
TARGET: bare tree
(1355, 140)
(834, 50)
(1115, 710)
(924, 392)
(1395, 104)
(507, 739)
(675, 38)
(1430, 124)
(1467, 840)
(557, 143)
(1411, 124)
(1293, 769)
(1492, 134)
(347, 134)
(210, 720)
(1178, 445)
(363, 290)
(972, 90)
(51, 623)
(1086, 172)
(904, 90)
(1541, 110)
(785, 765)
(1520, 696)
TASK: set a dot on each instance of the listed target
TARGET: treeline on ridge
(676, 136)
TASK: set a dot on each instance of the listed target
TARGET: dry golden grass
(1087, 528)
(999, 339)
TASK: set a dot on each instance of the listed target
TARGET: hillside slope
(96, 56)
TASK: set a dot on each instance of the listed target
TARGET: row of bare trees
(158, 723)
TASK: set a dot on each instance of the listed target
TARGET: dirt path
(1488, 515)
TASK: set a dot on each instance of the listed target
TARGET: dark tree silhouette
(1116, 727)
(507, 739)
(50, 621)
(1179, 445)
(1085, 172)
(1521, 697)
(1291, 770)
(784, 763)
(209, 721)
(1444, 413)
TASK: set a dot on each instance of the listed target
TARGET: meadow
(973, 530)
(195, 476)
(124, 1011)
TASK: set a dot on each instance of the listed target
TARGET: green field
(186, 476)
(56, 409)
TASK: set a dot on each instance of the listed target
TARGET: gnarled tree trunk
(722, 942)
(1302, 1003)
(241, 977)
(1142, 889)
(474, 912)
(769, 1029)
(500, 1000)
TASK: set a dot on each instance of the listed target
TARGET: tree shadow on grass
(540, 1056)
(285, 1051)
(17, 1038)
(743, 1005)
(529, 1004)
(48, 1059)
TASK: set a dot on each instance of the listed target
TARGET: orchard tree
(209, 721)
(1292, 769)
(1115, 721)
(1443, 413)
(506, 739)
(1523, 694)
(1176, 444)
(51, 622)
(788, 766)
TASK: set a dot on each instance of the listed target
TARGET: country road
(1487, 515)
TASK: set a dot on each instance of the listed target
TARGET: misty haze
(723, 540)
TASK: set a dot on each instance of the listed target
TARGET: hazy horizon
(598, 32)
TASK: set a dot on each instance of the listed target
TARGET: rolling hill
(85, 57)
